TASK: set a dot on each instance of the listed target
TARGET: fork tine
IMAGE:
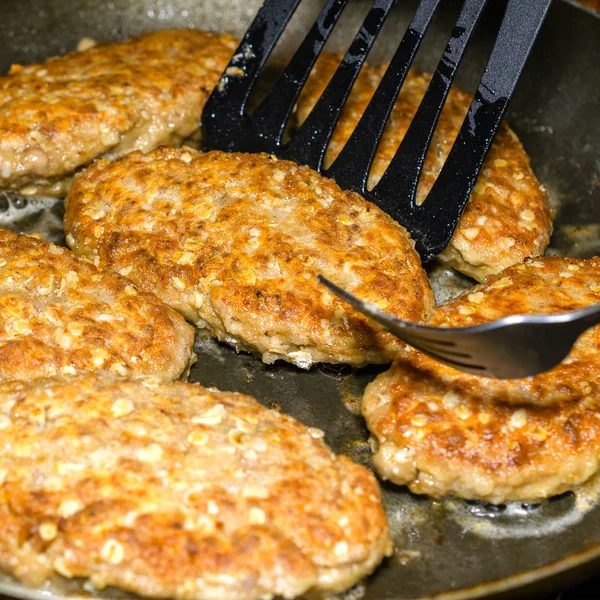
(272, 114)
(463, 362)
(475, 369)
(310, 142)
(406, 331)
(397, 188)
(457, 360)
(441, 344)
(224, 112)
(421, 344)
(447, 198)
(396, 326)
(353, 164)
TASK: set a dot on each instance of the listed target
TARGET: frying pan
(446, 549)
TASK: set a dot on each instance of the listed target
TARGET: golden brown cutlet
(173, 490)
(507, 218)
(235, 243)
(441, 431)
(60, 315)
(137, 94)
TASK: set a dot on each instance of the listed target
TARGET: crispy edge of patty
(60, 315)
(137, 485)
(235, 243)
(507, 218)
(439, 443)
(441, 431)
(538, 286)
(113, 98)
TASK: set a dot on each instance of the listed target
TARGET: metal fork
(510, 348)
(227, 125)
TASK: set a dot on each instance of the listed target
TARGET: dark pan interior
(464, 550)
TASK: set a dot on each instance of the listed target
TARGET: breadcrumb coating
(173, 490)
(108, 100)
(441, 431)
(235, 243)
(60, 315)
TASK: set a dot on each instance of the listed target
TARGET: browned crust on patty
(235, 243)
(441, 431)
(173, 490)
(540, 286)
(60, 315)
(58, 116)
(439, 443)
(507, 218)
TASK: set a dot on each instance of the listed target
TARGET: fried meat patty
(507, 218)
(441, 431)
(60, 315)
(235, 243)
(111, 99)
(173, 490)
